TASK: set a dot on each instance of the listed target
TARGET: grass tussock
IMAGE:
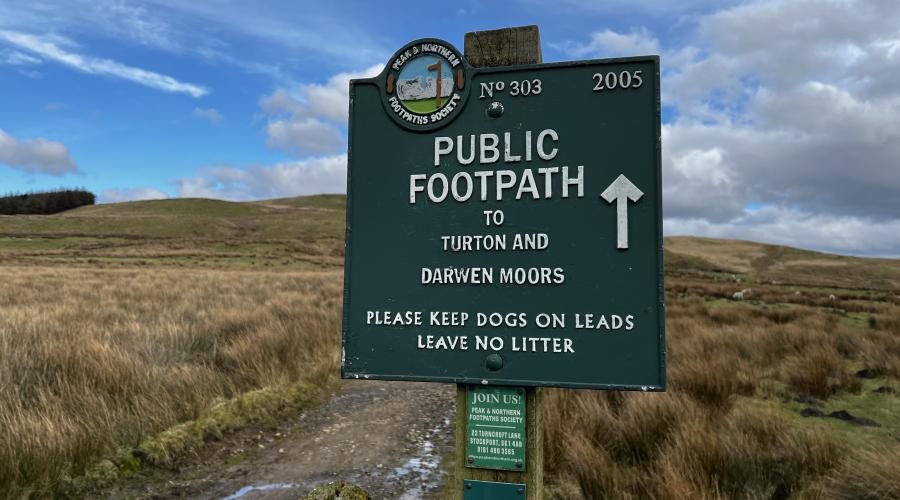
(96, 360)
(870, 475)
(670, 446)
(729, 424)
(819, 373)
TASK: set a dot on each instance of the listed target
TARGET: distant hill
(288, 218)
(309, 231)
(764, 262)
(292, 232)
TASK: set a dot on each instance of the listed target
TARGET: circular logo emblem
(426, 84)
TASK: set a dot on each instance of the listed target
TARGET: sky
(781, 119)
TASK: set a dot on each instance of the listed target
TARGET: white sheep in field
(832, 297)
(740, 295)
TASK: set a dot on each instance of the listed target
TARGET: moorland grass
(143, 326)
(729, 425)
(95, 360)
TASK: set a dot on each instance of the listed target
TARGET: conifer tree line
(45, 202)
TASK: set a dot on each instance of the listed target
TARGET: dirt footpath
(387, 437)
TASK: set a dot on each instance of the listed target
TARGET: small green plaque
(487, 490)
(495, 430)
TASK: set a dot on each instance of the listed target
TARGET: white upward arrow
(621, 190)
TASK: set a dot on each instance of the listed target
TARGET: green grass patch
(211, 261)
(883, 408)
(262, 406)
(259, 407)
(855, 319)
(323, 201)
(248, 248)
(723, 303)
(208, 262)
(176, 206)
(38, 243)
(424, 106)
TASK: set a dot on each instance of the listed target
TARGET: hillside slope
(306, 231)
(751, 261)
(311, 216)
(309, 230)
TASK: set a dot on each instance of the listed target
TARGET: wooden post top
(504, 47)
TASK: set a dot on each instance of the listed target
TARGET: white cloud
(116, 195)
(789, 105)
(209, 114)
(36, 155)
(309, 122)
(159, 27)
(281, 102)
(311, 119)
(784, 226)
(130, 20)
(49, 48)
(646, 8)
(608, 43)
(331, 100)
(122, 20)
(699, 181)
(302, 32)
(303, 135)
(205, 30)
(16, 58)
(325, 174)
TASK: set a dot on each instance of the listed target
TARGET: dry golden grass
(870, 475)
(93, 360)
(99, 359)
(729, 425)
(116, 324)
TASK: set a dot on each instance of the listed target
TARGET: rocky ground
(387, 437)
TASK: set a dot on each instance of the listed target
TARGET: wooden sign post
(504, 47)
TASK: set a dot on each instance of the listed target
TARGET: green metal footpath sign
(504, 224)
(495, 428)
